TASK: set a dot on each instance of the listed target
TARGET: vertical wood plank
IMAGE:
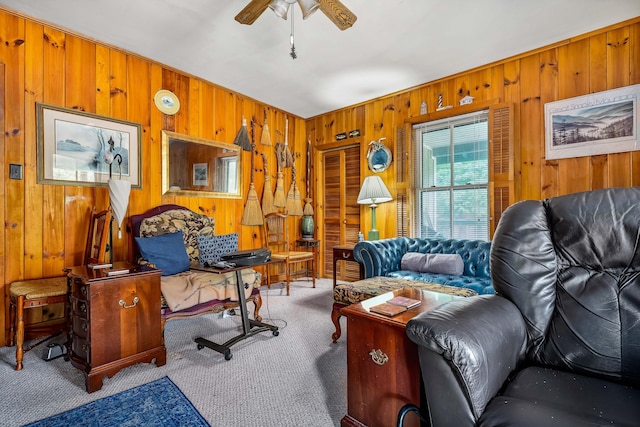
(548, 93)
(53, 195)
(33, 198)
(530, 130)
(618, 71)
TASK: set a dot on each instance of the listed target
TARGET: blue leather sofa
(382, 258)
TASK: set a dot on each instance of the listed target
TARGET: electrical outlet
(15, 171)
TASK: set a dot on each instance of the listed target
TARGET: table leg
(248, 326)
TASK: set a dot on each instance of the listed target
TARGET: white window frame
(418, 129)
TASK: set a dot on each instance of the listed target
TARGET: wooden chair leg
(12, 324)
(19, 332)
(313, 269)
(266, 270)
(288, 278)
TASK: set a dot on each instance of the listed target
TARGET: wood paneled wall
(45, 226)
(593, 62)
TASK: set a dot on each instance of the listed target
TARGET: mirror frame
(167, 137)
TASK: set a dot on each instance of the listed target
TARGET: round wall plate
(166, 101)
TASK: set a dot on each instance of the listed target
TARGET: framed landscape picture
(74, 148)
(599, 123)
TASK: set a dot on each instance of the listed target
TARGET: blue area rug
(159, 403)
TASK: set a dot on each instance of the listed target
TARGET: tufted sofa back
(474, 253)
(388, 254)
(572, 266)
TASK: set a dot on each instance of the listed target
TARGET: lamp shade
(119, 190)
(280, 8)
(373, 191)
(308, 7)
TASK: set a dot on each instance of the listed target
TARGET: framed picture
(599, 123)
(74, 148)
(200, 174)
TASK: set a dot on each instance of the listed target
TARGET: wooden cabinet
(115, 321)
(383, 369)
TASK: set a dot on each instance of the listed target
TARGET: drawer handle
(124, 304)
(346, 255)
(378, 357)
(83, 290)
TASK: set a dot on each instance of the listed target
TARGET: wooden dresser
(115, 321)
(383, 370)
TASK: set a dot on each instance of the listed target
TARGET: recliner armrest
(468, 348)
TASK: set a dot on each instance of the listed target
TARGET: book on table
(388, 309)
(404, 302)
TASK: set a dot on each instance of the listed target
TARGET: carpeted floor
(295, 379)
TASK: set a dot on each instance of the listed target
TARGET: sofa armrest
(380, 257)
(468, 348)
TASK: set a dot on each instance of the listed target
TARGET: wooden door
(341, 221)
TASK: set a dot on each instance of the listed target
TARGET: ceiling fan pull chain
(293, 46)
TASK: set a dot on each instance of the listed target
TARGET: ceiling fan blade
(252, 11)
(338, 13)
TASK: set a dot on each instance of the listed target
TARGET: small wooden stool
(30, 294)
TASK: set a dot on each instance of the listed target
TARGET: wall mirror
(198, 167)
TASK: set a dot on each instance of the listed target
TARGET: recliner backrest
(572, 266)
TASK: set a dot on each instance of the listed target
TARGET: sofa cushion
(167, 252)
(433, 263)
(213, 247)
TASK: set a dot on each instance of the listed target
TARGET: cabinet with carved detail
(383, 370)
(115, 320)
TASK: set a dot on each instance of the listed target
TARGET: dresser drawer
(80, 347)
(80, 326)
(79, 308)
(79, 289)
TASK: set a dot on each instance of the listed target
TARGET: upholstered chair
(559, 343)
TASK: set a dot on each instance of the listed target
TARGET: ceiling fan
(334, 9)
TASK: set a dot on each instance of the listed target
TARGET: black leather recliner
(559, 343)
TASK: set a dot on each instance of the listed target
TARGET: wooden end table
(114, 320)
(310, 245)
(344, 253)
(383, 370)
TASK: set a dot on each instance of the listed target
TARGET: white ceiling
(394, 44)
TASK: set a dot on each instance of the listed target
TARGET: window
(452, 190)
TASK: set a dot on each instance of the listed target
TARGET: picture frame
(71, 147)
(599, 123)
(201, 174)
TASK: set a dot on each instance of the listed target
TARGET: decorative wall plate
(378, 156)
(166, 101)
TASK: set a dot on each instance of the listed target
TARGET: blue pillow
(167, 252)
(211, 248)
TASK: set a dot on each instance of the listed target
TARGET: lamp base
(374, 235)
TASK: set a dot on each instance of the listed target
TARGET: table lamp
(373, 191)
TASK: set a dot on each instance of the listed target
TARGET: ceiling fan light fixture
(280, 8)
(308, 7)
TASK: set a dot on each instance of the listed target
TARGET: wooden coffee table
(383, 370)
